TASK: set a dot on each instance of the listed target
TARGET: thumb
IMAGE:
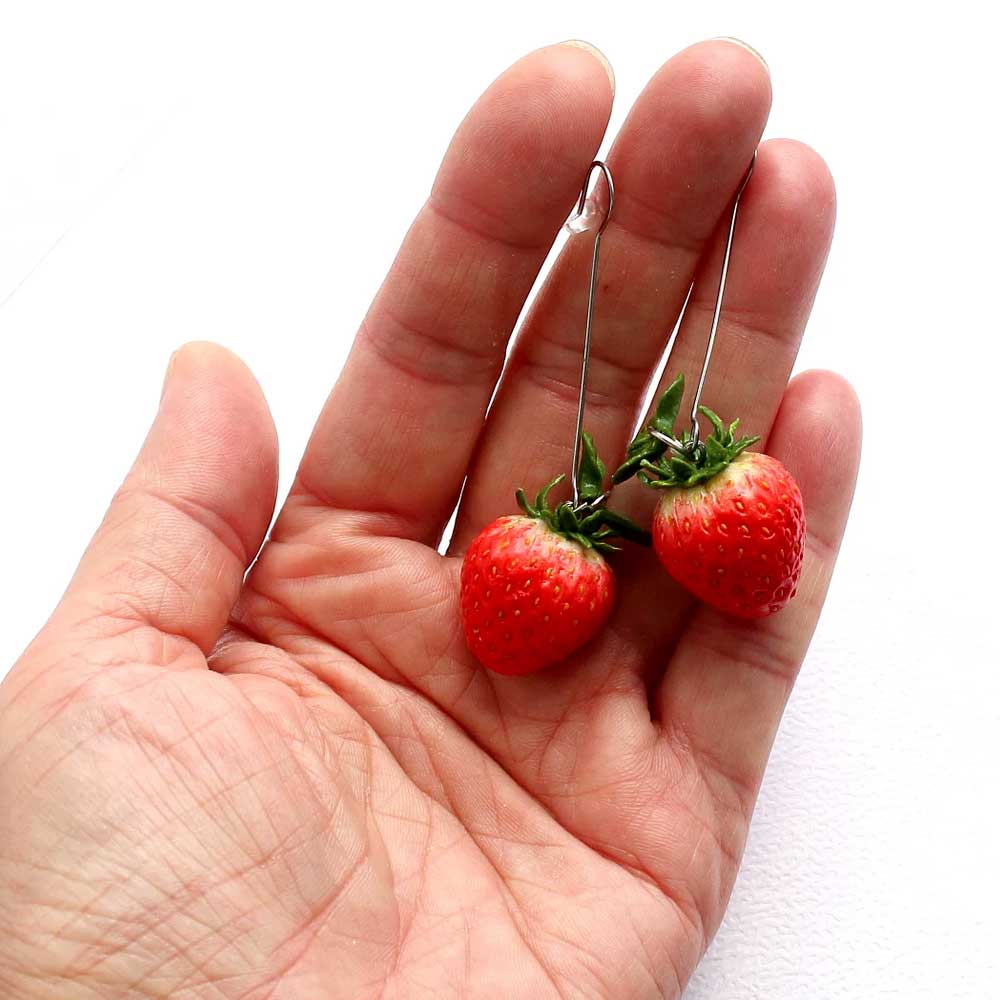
(175, 543)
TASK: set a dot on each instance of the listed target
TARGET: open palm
(300, 784)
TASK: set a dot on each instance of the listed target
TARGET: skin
(302, 785)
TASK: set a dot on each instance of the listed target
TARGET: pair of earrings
(729, 525)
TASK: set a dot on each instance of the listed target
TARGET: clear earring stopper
(595, 210)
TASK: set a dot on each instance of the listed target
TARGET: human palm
(300, 784)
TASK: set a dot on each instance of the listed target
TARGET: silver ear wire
(592, 294)
(692, 443)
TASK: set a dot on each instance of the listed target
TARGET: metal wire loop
(692, 444)
(597, 165)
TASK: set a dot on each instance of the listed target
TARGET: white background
(244, 173)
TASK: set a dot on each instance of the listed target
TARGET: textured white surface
(229, 172)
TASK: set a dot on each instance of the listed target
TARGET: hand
(300, 785)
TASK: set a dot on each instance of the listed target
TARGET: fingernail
(578, 43)
(168, 373)
(742, 45)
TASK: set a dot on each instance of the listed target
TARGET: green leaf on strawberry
(656, 465)
(590, 524)
(669, 406)
(592, 471)
(645, 447)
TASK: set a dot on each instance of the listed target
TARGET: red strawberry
(531, 596)
(731, 525)
(535, 587)
(735, 541)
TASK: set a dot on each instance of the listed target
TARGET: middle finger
(677, 162)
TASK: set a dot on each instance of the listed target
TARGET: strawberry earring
(730, 525)
(535, 586)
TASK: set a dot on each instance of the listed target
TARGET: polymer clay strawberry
(535, 586)
(730, 524)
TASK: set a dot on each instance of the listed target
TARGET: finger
(782, 239)
(783, 233)
(395, 435)
(676, 163)
(728, 681)
(189, 518)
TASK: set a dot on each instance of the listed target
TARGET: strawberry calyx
(662, 460)
(589, 523)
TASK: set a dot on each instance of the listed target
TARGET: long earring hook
(591, 296)
(696, 402)
(692, 443)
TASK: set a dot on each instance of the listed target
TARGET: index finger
(396, 433)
